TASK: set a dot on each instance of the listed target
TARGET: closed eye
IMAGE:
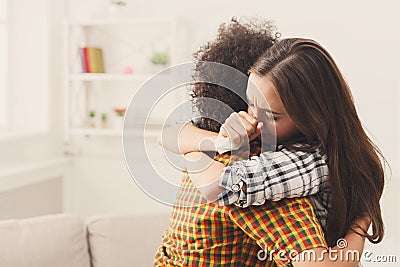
(270, 118)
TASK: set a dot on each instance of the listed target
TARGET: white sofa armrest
(45, 241)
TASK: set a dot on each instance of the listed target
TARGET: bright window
(3, 63)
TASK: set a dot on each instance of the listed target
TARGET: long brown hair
(319, 101)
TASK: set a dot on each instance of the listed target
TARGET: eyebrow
(270, 111)
(263, 109)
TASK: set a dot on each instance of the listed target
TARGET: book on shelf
(91, 59)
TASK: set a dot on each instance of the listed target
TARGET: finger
(249, 118)
(250, 128)
(234, 121)
(222, 131)
(257, 131)
(234, 135)
(246, 125)
(240, 127)
(224, 127)
(259, 128)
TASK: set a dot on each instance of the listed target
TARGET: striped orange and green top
(206, 234)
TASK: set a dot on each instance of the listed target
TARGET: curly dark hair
(238, 45)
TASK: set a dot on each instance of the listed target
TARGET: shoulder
(302, 150)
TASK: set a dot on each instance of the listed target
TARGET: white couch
(63, 240)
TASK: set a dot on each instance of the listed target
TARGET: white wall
(29, 65)
(35, 140)
(34, 76)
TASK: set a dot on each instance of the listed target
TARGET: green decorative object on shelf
(103, 120)
(92, 122)
(118, 3)
(159, 58)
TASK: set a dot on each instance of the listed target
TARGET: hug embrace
(299, 175)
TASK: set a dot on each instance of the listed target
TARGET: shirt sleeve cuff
(232, 180)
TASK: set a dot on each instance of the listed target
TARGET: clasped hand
(239, 129)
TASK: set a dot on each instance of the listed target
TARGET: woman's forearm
(205, 173)
(184, 138)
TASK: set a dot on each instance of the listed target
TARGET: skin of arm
(185, 137)
(204, 173)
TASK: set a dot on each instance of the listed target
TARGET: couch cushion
(44, 241)
(125, 240)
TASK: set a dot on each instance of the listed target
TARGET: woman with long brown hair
(304, 100)
(318, 100)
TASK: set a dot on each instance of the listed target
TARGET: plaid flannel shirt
(206, 234)
(276, 175)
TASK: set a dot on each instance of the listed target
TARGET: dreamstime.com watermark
(368, 256)
(332, 254)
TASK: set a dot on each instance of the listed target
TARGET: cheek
(285, 129)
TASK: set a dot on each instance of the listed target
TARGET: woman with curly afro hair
(204, 233)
